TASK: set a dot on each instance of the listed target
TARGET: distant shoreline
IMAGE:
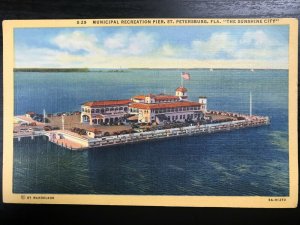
(51, 70)
(120, 70)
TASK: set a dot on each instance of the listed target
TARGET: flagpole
(250, 103)
(181, 80)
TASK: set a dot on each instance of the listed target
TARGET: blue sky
(178, 46)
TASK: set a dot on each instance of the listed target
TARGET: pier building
(104, 112)
(145, 109)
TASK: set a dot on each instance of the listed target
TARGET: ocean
(246, 162)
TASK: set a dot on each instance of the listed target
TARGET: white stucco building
(145, 109)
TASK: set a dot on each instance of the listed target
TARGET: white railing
(135, 137)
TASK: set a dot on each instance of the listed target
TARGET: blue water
(248, 162)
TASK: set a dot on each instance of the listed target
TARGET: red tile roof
(157, 97)
(182, 89)
(139, 97)
(166, 97)
(164, 105)
(108, 103)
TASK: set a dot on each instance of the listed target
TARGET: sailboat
(211, 69)
(252, 70)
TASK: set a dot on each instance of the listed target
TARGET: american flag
(185, 76)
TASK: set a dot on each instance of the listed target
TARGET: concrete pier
(74, 141)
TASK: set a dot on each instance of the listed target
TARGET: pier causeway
(73, 141)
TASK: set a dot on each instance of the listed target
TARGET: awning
(132, 118)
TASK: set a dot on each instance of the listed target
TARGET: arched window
(92, 110)
(97, 110)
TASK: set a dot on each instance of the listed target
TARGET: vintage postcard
(151, 112)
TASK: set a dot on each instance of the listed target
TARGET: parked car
(47, 128)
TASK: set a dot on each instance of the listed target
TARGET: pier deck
(73, 141)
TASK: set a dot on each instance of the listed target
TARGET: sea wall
(166, 133)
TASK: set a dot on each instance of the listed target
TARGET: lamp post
(63, 121)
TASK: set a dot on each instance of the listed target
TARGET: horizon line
(149, 68)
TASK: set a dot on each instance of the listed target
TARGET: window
(93, 110)
(183, 117)
(106, 109)
(180, 116)
(97, 110)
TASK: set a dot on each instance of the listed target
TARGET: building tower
(182, 93)
(203, 101)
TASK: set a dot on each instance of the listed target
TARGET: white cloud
(218, 42)
(37, 57)
(130, 43)
(75, 41)
(116, 41)
(140, 43)
(129, 49)
(256, 38)
(169, 50)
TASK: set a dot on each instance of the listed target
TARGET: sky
(264, 47)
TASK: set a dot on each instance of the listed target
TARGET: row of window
(183, 117)
(180, 117)
(103, 110)
(172, 110)
(166, 101)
